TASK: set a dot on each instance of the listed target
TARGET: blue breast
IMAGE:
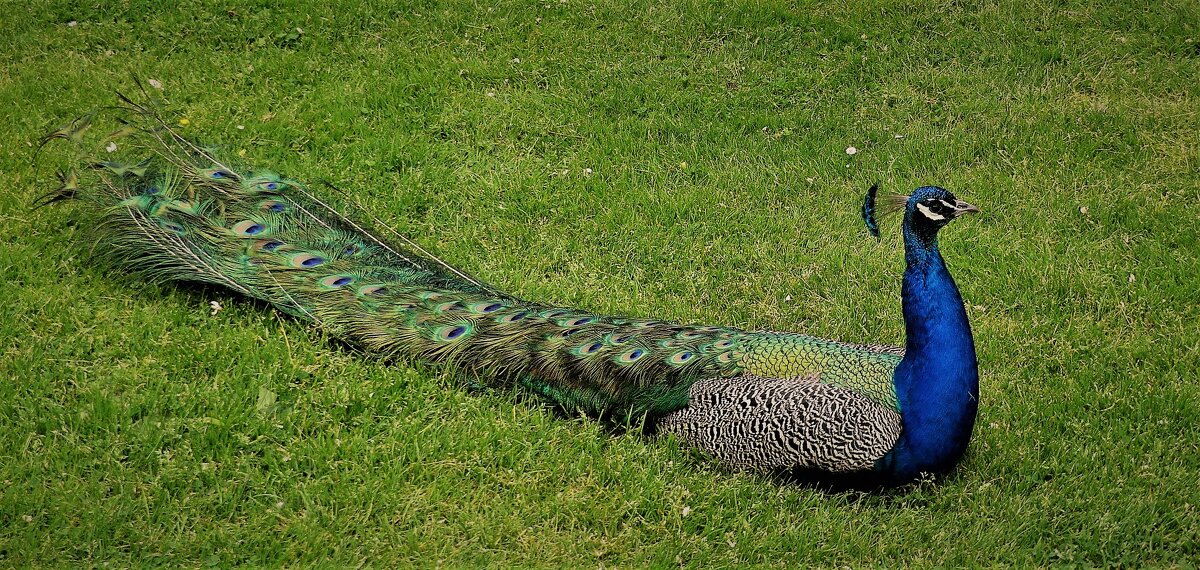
(937, 382)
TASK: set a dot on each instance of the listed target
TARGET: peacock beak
(961, 208)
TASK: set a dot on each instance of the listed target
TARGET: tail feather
(175, 212)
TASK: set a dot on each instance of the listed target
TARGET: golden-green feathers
(170, 210)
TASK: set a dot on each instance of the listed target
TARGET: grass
(136, 428)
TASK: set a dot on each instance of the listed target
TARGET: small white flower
(516, 60)
(788, 298)
(1083, 210)
(1132, 278)
(587, 172)
(279, 505)
(241, 127)
(155, 83)
(215, 307)
(687, 511)
(112, 147)
(491, 93)
(72, 24)
(851, 150)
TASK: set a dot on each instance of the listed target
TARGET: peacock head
(926, 210)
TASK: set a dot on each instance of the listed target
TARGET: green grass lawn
(668, 159)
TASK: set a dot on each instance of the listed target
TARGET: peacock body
(766, 401)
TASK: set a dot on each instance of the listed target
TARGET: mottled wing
(768, 424)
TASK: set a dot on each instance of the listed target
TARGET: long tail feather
(169, 209)
(172, 211)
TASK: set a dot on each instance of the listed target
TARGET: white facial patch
(929, 213)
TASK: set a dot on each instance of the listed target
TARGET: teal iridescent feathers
(171, 210)
(174, 212)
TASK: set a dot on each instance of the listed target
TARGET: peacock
(776, 402)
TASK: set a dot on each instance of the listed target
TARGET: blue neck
(937, 382)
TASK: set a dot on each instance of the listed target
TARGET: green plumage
(174, 212)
